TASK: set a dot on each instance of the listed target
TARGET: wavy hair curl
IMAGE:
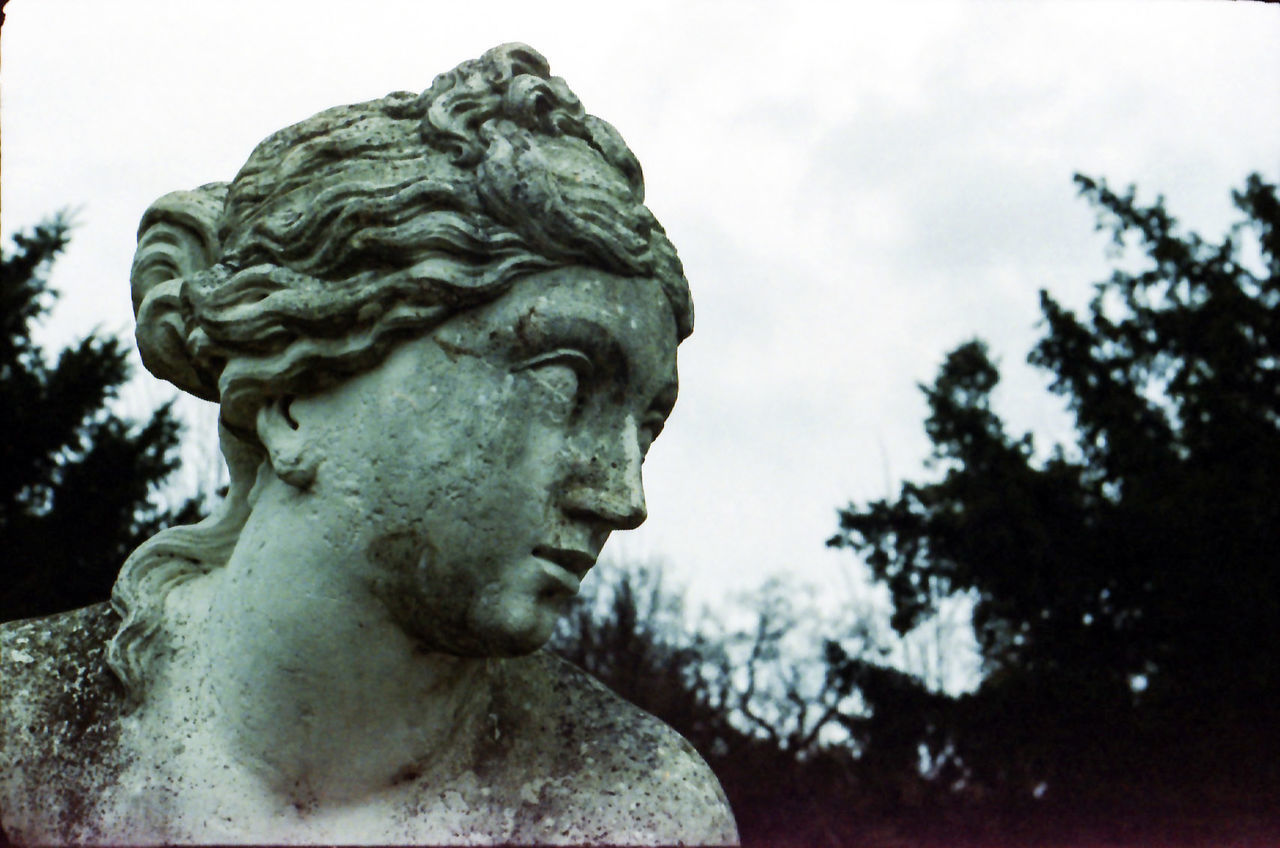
(348, 232)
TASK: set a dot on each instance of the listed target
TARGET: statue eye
(562, 373)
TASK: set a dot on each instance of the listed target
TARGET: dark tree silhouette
(1127, 587)
(629, 635)
(785, 787)
(76, 480)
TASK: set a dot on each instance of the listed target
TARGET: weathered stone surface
(558, 759)
(442, 332)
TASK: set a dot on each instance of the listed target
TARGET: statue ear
(289, 450)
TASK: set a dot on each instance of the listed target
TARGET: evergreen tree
(76, 480)
(1128, 587)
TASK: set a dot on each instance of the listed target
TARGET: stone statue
(441, 330)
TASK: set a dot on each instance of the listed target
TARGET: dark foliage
(629, 634)
(75, 479)
(1128, 587)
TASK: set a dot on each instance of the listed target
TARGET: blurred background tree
(754, 708)
(77, 481)
(1127, 588)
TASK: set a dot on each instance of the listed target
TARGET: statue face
(479, 470)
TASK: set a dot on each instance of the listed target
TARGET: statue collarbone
(442, 332)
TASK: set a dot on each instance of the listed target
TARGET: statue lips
(565, 566)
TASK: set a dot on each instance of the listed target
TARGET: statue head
(362, 231)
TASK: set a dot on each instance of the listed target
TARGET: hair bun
(178, 237)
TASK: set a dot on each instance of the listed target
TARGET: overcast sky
(854, 190)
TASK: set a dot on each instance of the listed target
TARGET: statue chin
(514, 630)
(442, 333)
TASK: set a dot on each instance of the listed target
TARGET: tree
(736, 695)
(1128, 586)
(630, 635)
(77, 481)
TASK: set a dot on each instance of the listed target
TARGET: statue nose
(609, 487)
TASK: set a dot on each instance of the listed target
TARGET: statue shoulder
(644, 782)
(59, 710)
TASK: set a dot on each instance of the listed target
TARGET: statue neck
(305, 680)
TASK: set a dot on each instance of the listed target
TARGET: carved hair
(355, 229)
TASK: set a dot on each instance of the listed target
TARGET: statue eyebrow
(539, 331)
(594, 338)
